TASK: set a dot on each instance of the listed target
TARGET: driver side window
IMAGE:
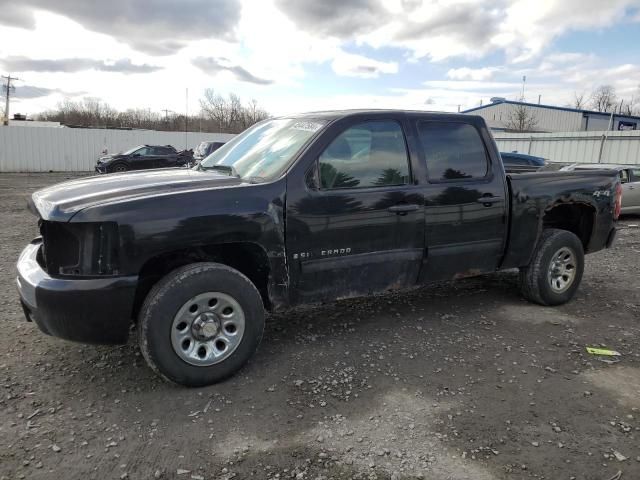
(370, 154)
(624, 176)
(143, 151)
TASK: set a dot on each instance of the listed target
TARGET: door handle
(403, 208)
(489, 200)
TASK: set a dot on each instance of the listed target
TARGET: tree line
(217, 114)
(605, 99)
(229, 114)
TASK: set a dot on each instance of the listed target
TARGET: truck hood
(62, 201)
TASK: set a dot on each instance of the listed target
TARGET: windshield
(264, 150)
(201, 149)
(131, 150)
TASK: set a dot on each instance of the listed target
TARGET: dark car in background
(205, 149)
(142, 157)
(519, 162)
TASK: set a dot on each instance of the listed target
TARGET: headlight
(87, 249)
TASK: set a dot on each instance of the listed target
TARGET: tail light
(617, 205)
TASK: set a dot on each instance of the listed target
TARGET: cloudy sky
(296, 55)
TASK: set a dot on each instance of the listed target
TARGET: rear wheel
(555, 271)
(200, 324)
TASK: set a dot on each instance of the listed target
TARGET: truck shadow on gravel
(462, 381)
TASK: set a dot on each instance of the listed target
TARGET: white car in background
(629, 177)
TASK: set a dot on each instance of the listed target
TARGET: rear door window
(162, 151)
(453, 151)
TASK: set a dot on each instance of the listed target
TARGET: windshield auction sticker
(307, 126)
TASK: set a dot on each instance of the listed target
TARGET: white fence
(575, 147)
(29, 149)
(26, 149)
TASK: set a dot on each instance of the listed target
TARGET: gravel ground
(456, 381)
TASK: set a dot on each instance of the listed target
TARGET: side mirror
(136, 155)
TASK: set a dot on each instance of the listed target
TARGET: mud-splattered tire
(555, 271)
(200, 324)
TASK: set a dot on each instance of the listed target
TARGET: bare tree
(235, 110)
(631, 106)
(579, 100)
(604, 99)
(521, 119)
(229, 114)
(213, 105)
(89, 112)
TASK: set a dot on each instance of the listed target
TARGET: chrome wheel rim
(562, 270)
(207, 329)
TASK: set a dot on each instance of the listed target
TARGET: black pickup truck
(299, 210)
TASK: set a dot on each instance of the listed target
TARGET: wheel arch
(577, 218)
(248, 258)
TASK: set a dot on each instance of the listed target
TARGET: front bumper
(101, 168)
(88, 310)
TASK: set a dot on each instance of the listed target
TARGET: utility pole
(166, 114)
(8, 87)
(524, 81)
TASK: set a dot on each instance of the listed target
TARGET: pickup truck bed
(565, 196)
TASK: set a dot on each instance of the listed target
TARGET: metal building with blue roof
(549, 118)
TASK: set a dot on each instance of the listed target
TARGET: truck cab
(362, 208)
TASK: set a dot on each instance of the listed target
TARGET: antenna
(186, 118)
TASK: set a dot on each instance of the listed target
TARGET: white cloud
(530, 25)
(351, 65)
(268, 51)
(159, 27)
(464, 73)
(456, 28)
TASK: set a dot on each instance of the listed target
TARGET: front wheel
(555, 271)
(200, 324)
(119, 168)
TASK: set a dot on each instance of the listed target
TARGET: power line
(8, 86)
